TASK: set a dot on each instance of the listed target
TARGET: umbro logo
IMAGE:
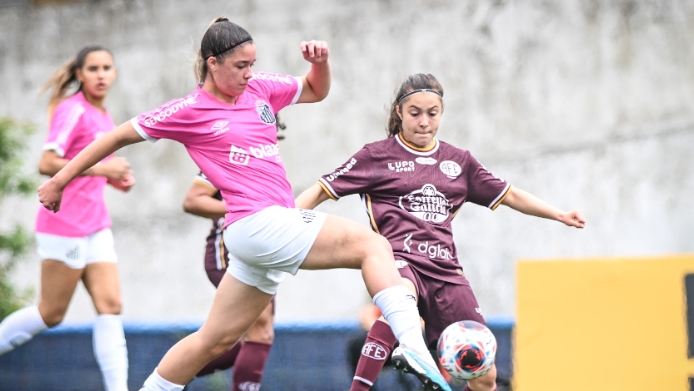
(220, 127)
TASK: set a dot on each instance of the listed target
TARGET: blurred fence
(305, 356)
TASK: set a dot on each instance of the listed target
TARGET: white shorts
(271, 242)
(80, 251)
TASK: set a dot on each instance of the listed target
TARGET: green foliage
(13, 141)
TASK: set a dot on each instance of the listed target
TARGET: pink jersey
(235, 146)
(74, 125)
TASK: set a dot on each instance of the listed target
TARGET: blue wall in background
(304, 357)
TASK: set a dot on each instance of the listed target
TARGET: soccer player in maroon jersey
(413, 185)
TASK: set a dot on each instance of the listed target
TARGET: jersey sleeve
(280, 90)
(484, 188)
(355, 176)
(63, 127)
(202, 180)
(172, 120)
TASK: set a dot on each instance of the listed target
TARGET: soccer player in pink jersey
(413, 185)
(78, 244)
(227, 126)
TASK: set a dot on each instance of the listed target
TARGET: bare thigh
(103, 284)
(58, 283)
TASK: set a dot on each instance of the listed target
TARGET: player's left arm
(316, 83)
(527, 203)
(200, 201)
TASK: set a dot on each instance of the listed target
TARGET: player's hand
(114, 168)
(50, 195)
(315, 52)
(125, 183)
(573, 219)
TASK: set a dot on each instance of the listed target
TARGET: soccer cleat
(409, 362)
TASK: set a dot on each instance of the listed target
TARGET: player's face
(421, 115)
(232, 75)
(97, 74)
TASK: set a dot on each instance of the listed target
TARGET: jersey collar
(416, 150)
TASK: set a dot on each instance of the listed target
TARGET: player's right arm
(311, 197)
(115, 168)
(51, 192)
(200, 201)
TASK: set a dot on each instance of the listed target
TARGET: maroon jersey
(216, 255)
(411, 196)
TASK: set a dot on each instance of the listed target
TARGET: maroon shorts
(216, 262)
(441, 303)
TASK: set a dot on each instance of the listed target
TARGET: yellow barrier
(604, 325)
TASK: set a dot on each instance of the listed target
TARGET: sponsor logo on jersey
(426, 204)
(406, 243)
(434, 251)
(450, 168)
(249, 386)
(263, 151)
(264, 112)
(425, 160)
(164, 112)
(399, 263)
(342, 171)
(272, 77)
(403, 166)
(238, 156)
(220, 127)
(375, 351)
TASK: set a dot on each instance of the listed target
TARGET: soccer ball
(467, 349)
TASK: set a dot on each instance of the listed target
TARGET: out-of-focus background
(587, 104)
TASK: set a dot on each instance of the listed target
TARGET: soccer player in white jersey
(228, 128)
(78, 244)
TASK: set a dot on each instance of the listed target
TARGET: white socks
(19, 327)
(399, 307)
(157, 383)
(110, 351)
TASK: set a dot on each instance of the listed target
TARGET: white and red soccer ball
(467, 349)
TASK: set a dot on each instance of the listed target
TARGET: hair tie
(230, 47)
(416, 91)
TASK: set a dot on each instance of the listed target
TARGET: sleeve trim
(501, 197)
(299, 88)
(141, 131)
(202, 182)
(326, 188)
(54, 147)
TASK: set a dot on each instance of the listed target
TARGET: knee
(262, 331)
(109, 306)
(376, 246)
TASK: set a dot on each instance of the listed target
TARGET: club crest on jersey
(450, 168)
(264, 112)
(426, 204)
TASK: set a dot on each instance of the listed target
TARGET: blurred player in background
(228, 128)
(77, 244)
(413, 185)
(248, 357)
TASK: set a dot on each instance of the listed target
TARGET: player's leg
(343, 243)
(228, 358)
(103, 284)
(61, 269)
(255, 349)
(379, 344)
(236, 306)
(442, 304)
(58, 283)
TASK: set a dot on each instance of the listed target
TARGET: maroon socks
(248, 371)
(377, 348)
